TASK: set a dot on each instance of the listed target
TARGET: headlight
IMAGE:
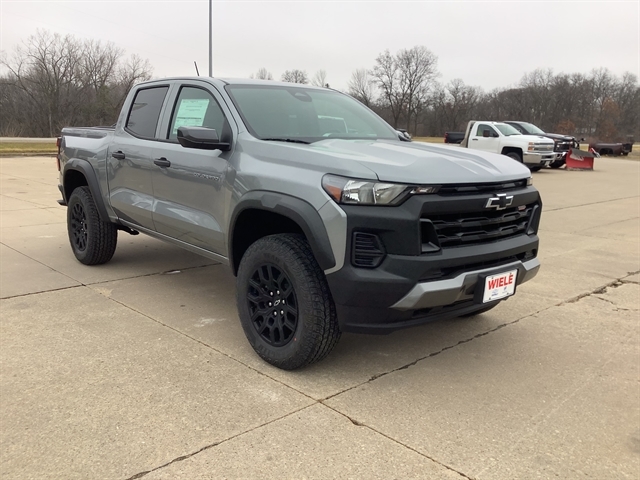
(531, 146)
(365, 192)
(529, 181)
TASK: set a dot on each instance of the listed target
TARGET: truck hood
(529, 138)
(386, 160)
(559, 137)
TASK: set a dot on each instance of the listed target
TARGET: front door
(487, 144)
(191, 186)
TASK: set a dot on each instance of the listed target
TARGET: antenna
(196, 68)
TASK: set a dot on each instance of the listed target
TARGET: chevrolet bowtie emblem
(500, 201)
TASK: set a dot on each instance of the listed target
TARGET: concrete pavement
(139, 368)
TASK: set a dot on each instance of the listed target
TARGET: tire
(557, 164)
(515, 156)
(479, 312)
(93, 241)
(281, 270)
(535, 169)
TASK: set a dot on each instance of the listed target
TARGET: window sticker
(190, 113)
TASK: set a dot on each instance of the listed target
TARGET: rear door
(129, 160)
(192, 189)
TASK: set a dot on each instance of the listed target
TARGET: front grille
(562, 147)
(461, 229)
(367, 250)
(474, 188)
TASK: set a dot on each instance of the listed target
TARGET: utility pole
(210, 40)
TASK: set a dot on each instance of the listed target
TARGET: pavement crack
(598, 291)
(398, 442)
(182, 458)
(587, 204)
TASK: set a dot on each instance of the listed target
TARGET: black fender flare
(85, 168)
(297, 210)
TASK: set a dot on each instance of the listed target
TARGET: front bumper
(538, 159)
(461, 287)
(410, 286)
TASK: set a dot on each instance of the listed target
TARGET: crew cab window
(482, 128)
(196, 107)
(145, 111)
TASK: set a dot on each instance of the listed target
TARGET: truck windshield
(531, 129)
(305, 115)
(506, 130)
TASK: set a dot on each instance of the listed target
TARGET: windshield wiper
(289, 140)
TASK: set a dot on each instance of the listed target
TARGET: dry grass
(429, 139)
(20, 148)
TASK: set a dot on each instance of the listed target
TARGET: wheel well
(507, 150)
(72, 180)
(253, 224)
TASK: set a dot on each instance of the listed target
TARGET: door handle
(162, 162)
(118, 155)
(474, 139)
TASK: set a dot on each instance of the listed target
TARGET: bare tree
(262, 74)
(53, 81)
(417, 68)
(320, 79)
(455, 103)
(295, 76)
(386, 76)
(404, 80)
(361, 87)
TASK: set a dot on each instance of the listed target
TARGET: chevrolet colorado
(329, 219)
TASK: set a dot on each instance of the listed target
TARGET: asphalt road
(140, 369)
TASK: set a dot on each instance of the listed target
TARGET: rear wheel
(284, 302)
(93, 241)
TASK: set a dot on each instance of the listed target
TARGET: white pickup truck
(497, 137)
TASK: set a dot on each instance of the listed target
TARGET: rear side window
(145, 111)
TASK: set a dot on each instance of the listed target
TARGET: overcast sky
(485, 43)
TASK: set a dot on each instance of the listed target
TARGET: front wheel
(93, 241)
(557, 163)
(515, 156)
(284, 302)
(535, 169)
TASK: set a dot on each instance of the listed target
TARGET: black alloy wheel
(93, 241)
(273, 306)
(284, 303)
(78, 227)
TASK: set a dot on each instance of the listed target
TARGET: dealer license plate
(499, 286)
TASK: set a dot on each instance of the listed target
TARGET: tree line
(52, 81)
(403, 88)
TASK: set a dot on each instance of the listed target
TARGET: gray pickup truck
(330, 220)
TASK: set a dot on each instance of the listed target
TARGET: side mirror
(201, 137)
(403, 135)
(486, 133)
